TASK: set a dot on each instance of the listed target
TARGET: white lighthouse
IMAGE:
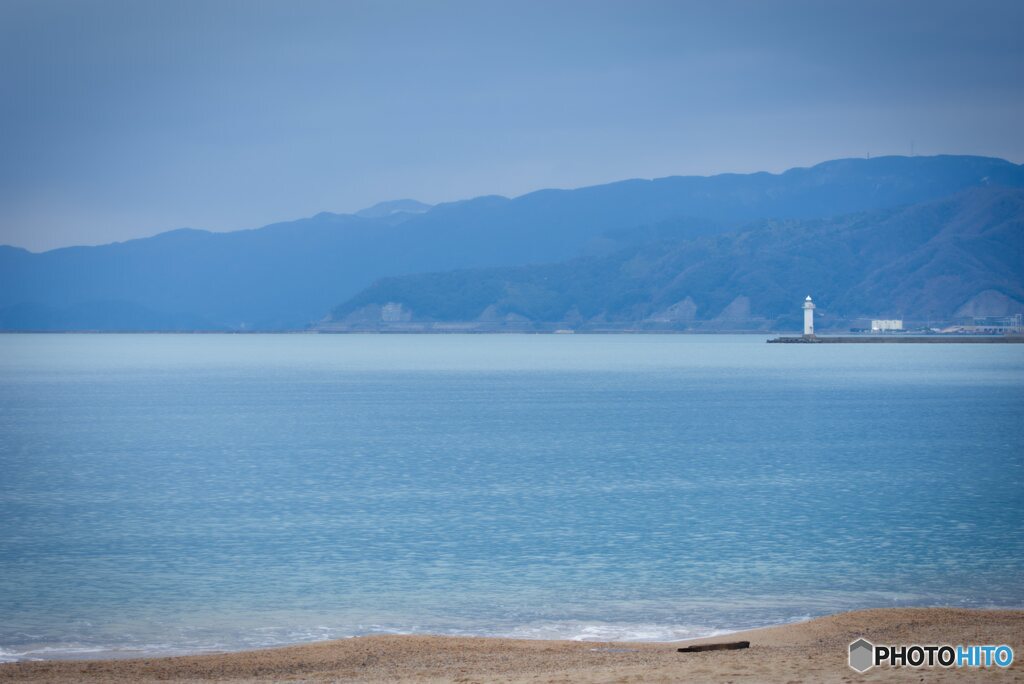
(808, 317)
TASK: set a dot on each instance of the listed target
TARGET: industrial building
(887, 325)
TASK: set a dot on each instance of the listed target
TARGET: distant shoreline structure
(889, 331)
(905, 339)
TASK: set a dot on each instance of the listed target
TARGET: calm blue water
(166, 494)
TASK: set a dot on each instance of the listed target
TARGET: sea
(169, 494)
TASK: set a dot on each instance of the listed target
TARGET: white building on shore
(887, 325)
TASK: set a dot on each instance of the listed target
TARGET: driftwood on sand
(727, 646)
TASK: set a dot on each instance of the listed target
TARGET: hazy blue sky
(123, 119)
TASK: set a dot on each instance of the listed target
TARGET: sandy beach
(814, 651)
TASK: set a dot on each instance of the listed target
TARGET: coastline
(905, 339)
(814, 650)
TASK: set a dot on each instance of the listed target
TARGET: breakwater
(905, 339)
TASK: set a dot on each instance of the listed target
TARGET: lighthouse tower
(808, 317)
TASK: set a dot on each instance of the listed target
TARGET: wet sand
(814, 651)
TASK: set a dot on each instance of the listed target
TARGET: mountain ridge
(289, 275)
(1006, 172)
(893, 262)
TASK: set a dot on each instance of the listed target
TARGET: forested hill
(290, 275)
(959, 256)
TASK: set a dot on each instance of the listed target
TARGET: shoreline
(906, 339)
(784, 337)
(812, 650)
(774, 335)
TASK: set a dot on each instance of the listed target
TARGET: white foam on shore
(568, 631)
(270, 637)
(52, 653)
(612, 631)
(97, 652)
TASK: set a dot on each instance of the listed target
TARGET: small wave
(48, 653)
(589, 631)
(77, 652)
(258, 637)
(267, 638)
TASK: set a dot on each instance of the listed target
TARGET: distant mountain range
(955, 257)
(921, 236)
(395, 210)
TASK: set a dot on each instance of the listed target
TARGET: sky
(122, 119)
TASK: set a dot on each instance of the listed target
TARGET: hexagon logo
(862, 655)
